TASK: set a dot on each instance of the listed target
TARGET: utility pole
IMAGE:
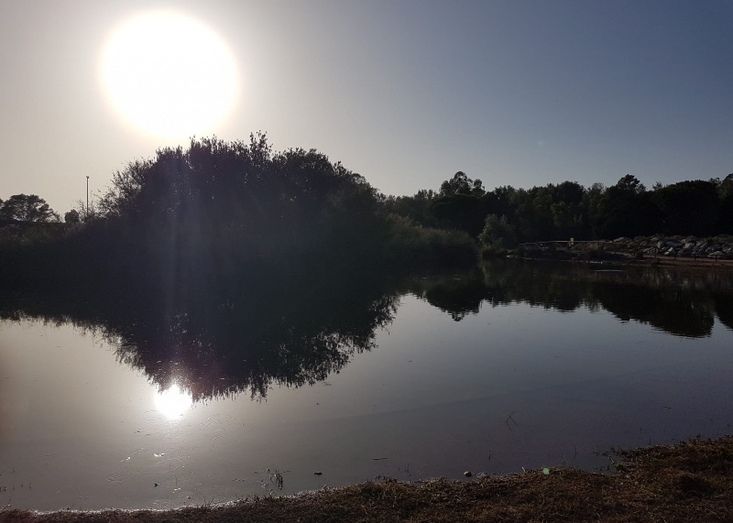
(87, 196)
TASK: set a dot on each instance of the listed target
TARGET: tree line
(509, 215)
(218, 204)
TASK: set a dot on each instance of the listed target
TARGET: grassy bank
(691, 481)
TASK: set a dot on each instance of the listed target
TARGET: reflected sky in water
(511, 367)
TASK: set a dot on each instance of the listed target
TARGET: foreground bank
(691, 481)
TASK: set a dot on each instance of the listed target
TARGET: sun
(173, 402)
(169, 75)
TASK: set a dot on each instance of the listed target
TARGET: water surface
(517, 365)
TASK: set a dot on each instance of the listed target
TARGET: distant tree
(72, 216)
(536, 213)
(630, 184)
(27, 208)
(689, 207)
(462, 212)
(568, 213)
(498, 233)
(725, 218)
(460, 204)
(592, 208)
(416, 207)
(501, 201)
(626, 210)
(726, 185)
(462, 184)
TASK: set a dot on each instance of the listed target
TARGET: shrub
(498, 234)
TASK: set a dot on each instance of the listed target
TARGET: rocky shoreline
(689, 250)
(717, 247)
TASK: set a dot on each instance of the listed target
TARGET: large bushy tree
(27, 208)
(217, 207)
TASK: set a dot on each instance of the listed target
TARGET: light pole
(87, 196)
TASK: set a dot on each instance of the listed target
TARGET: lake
(516, 365)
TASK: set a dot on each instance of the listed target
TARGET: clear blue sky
(405, 92)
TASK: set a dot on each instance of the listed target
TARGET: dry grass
(691, 481)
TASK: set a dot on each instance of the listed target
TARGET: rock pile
(716, 247)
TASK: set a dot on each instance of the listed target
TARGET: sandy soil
(691, 481)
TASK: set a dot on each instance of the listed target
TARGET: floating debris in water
(318, 473)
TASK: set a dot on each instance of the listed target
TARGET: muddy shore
(690, 481)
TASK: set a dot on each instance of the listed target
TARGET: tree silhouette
(565, 210)
(461, 184)
(72, 216)
(27, 208)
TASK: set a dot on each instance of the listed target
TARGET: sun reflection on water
(173, 402)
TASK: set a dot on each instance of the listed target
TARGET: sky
(406, 93)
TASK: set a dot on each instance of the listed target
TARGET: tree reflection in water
(289, 331)
(295, 331)
(679, 302)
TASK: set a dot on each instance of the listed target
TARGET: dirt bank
(691, 481)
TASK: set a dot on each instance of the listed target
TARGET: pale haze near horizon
(405, 93)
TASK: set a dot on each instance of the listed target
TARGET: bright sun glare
(173, 402)
(169, 75)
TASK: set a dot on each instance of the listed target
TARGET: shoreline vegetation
(215, 211)
(688, 481)
(214, 215)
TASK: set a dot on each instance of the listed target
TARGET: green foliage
(460, 211)
(497, 234)
(462, 184)
(725, 219)
(26, 208)
(217, 212)
(209, 212)
(418, 207)
(569, 210)
(626, 210)
(690, 207)
(414, 246)
(220, 204)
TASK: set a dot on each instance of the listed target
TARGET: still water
(516, 365)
